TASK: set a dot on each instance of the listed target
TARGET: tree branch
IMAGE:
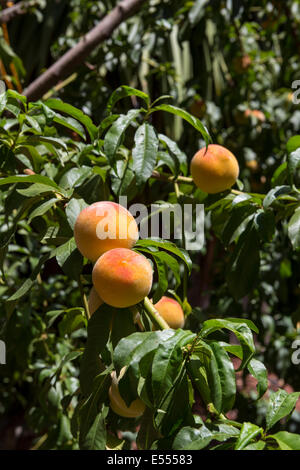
(75, 56)
(19, 9)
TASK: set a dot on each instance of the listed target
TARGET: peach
(171, 312)
(94, 301)
(119, 406)
(103, 226)
(214, 169)
(122, 277)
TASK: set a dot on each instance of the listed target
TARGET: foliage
(194, 73)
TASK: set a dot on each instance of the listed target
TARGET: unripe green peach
(122, 277)
(103, 226)
(94, 301)
(119, 406)
(214, 169)
(171, 312)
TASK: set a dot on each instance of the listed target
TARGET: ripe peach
(103, 226)
(94, 301)
(171, 312)
(122, 277)
(215, 169)
(119, 406)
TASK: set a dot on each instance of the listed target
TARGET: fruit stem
(158, 319)
(170, 178)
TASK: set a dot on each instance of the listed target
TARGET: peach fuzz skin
(214, 170)
(171, 312)
(103, 226)
(119, 406)
(94, 301)
(122, 277)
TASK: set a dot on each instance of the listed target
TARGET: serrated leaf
(281, 404)
(123, 92)
(248, 432)
(294, 229)
(73, 209)
(95, 438)
(260, 373)
(166, 363)
(195, 122)
(113, 137)
(287, 440)
(75, 113)
(144, 153)
(42, 209)
(192, 439)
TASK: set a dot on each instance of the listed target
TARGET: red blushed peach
(103, 226)
(94, 301)
(171, 312)
(119, 406)
(214, 169)
(122, 277)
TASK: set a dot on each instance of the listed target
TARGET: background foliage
(231, 65)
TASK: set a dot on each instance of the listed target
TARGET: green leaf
(190, 438)
(29, 179)
(274, 193)
(237, 216)
(287, 440)
(71, 124)
(40, 139)
(123, 92)
(248, 432)
(244, 262)
(75, 113)
(227, 376)
(72, 320)
(260, 373)
(98, 334)
(294, 229)
(95, 438)
(195, 122)
(42, 208)
(144, 153)
(27, 284)
(293, 163)
(293, 143)
(89, 409)
(73, 209)
(175, 410)
(264, 222)
(240, 328)
(69, 259)
(35, 189)
(168, 246)
(180, 156)
(166, 363)
(281, 404)
(113, 137)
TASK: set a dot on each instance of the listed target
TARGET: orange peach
(103, 226)
(119, 406)
(94, 301)
(171, 312)
(122, 277)
(214, 169)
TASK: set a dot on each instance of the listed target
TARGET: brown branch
(76, 56)
(19, 9)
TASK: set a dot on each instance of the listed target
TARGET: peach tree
(63, 363)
